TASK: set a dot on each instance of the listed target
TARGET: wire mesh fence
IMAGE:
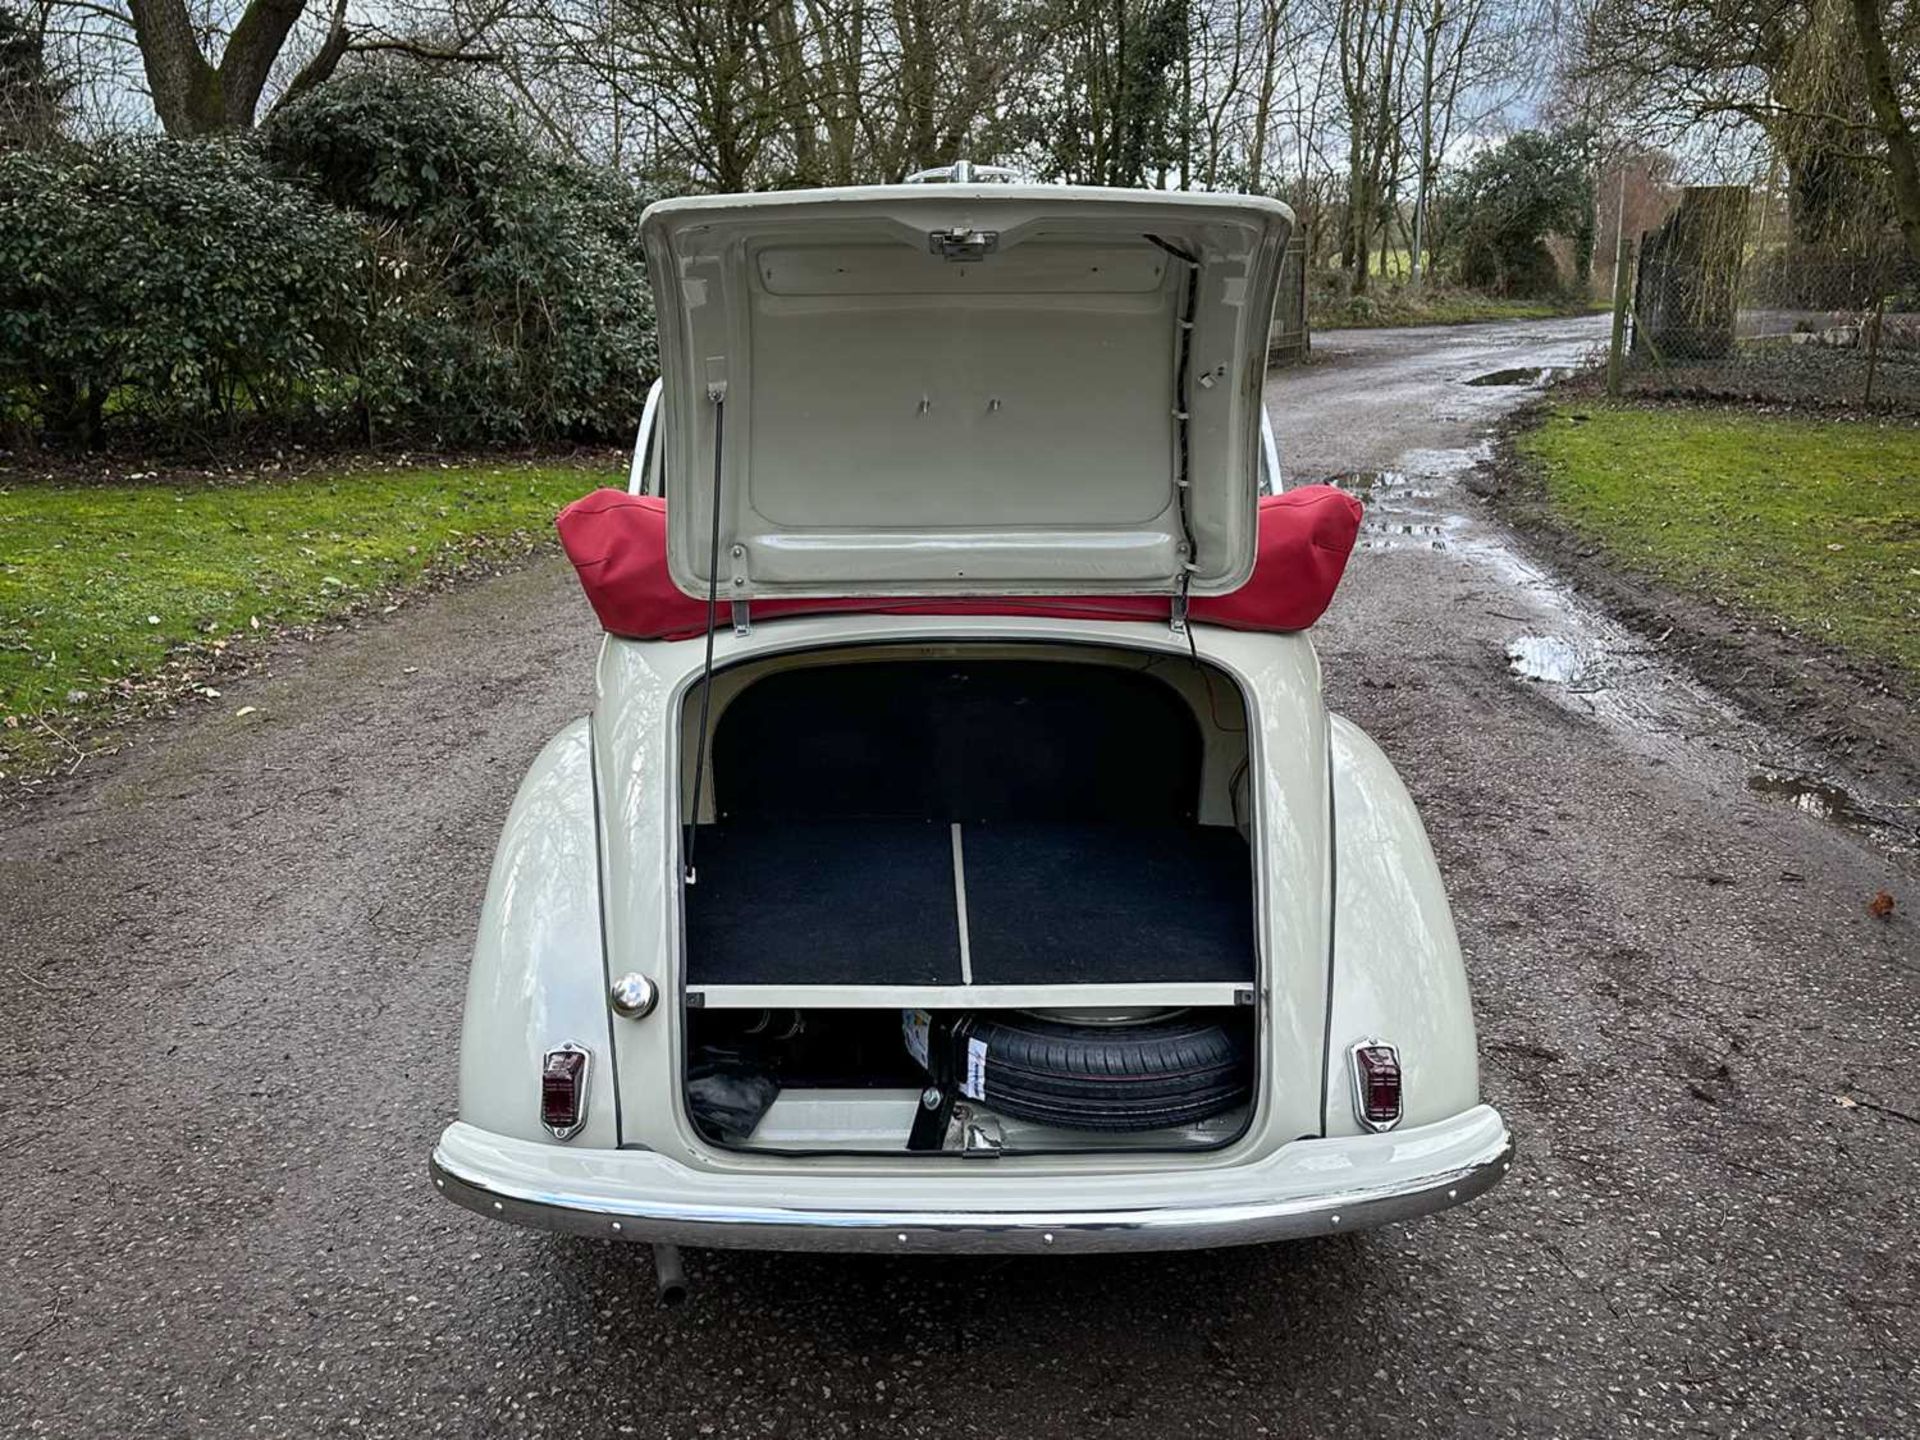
(1289, 342)
(1715, 317)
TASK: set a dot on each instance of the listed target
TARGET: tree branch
(321, 67)
(178, 75)
(246, 63)
(420, 51)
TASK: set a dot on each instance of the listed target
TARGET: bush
(509, 296)
(1510, 199)
(181, 282)
(388, 258)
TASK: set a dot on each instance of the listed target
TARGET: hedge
(389, 258)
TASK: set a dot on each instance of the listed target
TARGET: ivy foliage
(1511, 198)
(388, 258)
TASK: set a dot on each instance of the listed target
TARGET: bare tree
(1829, 84)
(1371, 38)
(1451, 33)
(35, 90)
(208, 71)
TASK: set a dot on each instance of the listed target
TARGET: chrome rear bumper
(1309, 1187)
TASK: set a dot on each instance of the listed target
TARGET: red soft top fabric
(618, 543)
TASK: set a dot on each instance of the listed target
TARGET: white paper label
(974, 1087)
(915, 1023)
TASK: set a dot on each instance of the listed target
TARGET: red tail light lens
(563, 1091)
(1376, 1085)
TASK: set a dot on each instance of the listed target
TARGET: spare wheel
(1148, 1075)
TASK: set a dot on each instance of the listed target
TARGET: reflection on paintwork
(537, 980)
(1397, 969)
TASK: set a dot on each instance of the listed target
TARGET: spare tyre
(1149, 1076)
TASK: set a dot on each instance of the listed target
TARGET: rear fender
(538, 979)
(1397, 974)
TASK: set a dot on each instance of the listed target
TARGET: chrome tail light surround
(1377, 1100)
(563, 1090)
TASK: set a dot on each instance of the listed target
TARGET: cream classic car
(959, 855)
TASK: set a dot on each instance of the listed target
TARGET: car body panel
(939, 391)
(1348, 897)
(1036, 419)
(1397, 971)
(537, 981)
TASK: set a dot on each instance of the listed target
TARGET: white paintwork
(537, 980)
(649, 422)
(645, 470)
(1397, 972)
(900, 423)
(1273, 481)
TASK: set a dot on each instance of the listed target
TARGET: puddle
(1523, 375)
(1835, 804)
(1574, 656)
(1582, 660)
(1551, 658)
(1405, 507)
(1819, 798)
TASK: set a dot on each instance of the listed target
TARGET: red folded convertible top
(618, 543)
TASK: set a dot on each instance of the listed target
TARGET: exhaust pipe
(668, 1277)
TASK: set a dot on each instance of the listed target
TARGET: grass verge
(1814, 525)
(1437, 306)
(117, 598)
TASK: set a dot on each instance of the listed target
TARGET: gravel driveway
(233, 961)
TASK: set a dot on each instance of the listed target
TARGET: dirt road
(233, 962)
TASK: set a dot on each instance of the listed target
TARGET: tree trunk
(1360, 214)
(796, 103)
(918, 64)
(185, 88)
(1436, 17)
(1263, 107)
(1884, 96)
(1186, 105)
(247, 62)
(192, 97)
(1362, 223)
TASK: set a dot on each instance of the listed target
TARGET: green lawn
(106, 588)
(1814, 523)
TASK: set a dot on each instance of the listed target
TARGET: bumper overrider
(1306, 1188)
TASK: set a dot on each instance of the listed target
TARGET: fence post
(1616, 354)
(1873, 348)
